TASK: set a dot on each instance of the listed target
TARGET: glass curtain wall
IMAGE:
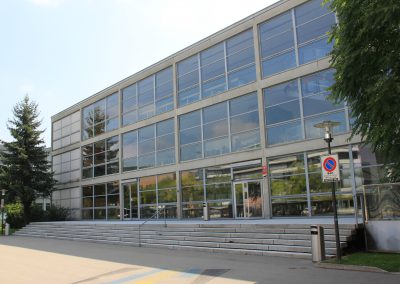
(224, 66)
(148, 97)
(295, 37)
(297, 188)
(149, 146)
(221, 128)
(100, 158)
(101, 201)
(100, 117)
(294, 107)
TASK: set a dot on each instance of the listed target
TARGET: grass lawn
(386, 261)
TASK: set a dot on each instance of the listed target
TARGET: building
(198, 126)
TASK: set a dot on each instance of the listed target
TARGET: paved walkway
(33, 260)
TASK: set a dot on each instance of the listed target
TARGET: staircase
(291, 240)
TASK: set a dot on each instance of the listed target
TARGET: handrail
(158, 211)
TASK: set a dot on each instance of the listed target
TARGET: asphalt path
(35, 260)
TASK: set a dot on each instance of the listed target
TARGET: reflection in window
(100, 158)
(100, 117)
(224, 66)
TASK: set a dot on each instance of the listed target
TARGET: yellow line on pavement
(156, 278)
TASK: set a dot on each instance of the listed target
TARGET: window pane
(212, 70)
(189, 120)
(147, 183)
(276, 25)
(112, 143)
(214, 87)
(318, 104)
(164, 90)
(129, 164)
(317, 83)
(99, 146)
(165, 127)
(165, 105)
(146, 133)
(188, 80)
(216, 147)
(279, 63)
(111, 124)
(288, 185)
(242, 76)
(314, 50)
(147, 161)
(99, 158)
(166, 157)
(192, 193)
(316, 28)
(281, 93)
(166, 141)
(166, 180)
(215, 129)
(164, 76)
(87, 190)
(285, 166)
(241, 58)
(128, 97)
(188, 96)
(191, 152)
(148, 197)
(99, 171)
(282, 207)
(146, 112)
(187, 65)
(214, 112)
(243, 104)
(129, 147)
(112, 105)
(212, 54)
(312, 132)
(129, 118)
(219, 191)
(284, 133)
(87, 173)
(244, 122)
(277, 44)
(192, 177)
(99, 189)
(190, 135)
(146, 147)
(283, 112)
(113, 168)
(309, 11)
(246, 141)
(167, 196)
(239, 42)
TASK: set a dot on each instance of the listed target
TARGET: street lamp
(328, 126)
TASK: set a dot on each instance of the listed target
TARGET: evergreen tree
(366, 56)
(26, 172)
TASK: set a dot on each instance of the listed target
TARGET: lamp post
(3, 193)
(328, 126)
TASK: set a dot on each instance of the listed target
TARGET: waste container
(317, 243)
(7, 229)
(205, 211)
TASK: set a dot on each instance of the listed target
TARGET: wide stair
(291, 240)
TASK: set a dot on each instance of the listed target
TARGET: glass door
(130, 200)
(248, 201)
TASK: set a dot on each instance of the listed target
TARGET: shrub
(57, 213)
(15, 215)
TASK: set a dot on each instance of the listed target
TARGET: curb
(350, 267)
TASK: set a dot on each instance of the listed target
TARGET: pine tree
(26, 172)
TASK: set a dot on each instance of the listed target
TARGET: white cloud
(46, 3)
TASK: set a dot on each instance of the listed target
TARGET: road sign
(330, 168)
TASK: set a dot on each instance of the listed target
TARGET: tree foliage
(366, 56)
(26, 172)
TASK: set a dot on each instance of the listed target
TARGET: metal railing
(159, 210)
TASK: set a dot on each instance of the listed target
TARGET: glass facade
(219, 129)
(295, 37)
(294, 107)
(148, 97)
(100, 158)
(224, 66)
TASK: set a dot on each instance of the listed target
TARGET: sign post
(330, 168)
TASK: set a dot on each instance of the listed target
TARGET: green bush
(52, 213)
(15, 215)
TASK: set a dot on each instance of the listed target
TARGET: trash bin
(7, 229)
(205, 211)
(317, 243)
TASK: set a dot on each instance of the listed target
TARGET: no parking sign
(330, 168)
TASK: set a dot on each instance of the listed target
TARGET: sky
(60, 52)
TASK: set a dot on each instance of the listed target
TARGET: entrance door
(248, 199)
(130, 200)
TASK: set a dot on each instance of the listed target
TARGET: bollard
(205, 211)
(7, 230)
(317, 243)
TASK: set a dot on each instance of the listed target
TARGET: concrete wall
(383, 235)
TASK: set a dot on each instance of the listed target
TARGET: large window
(297, 188)
(100, 158)
(295, 37)
(150, 96)
(101, 201)
(218, 129)
(224, 66)
(303, 101)
(149, 146)
(212, 185)
(100, 117)
(66, 131)
(66, 166)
